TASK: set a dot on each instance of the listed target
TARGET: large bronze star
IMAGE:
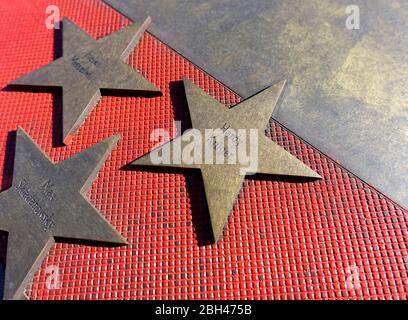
(222, 182)
(87, 67)
(46, 203)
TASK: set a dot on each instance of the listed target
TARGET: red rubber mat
(334, 239)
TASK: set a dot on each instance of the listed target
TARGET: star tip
(217, 234)
(15, 82)
(115, 238)
(21, 132)
(216, 238)
(280, 83)
(156, 91)
(67, 22)
(125, 167)
(318, 177)
(130, 165)
(122, 241)
(19, 295)
(148, 20)
(115, 138)
(67, 140)
(141, 161)
(314, 175)
(187, 82)
(142, 26)
(23, 297)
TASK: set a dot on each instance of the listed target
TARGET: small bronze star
(46, 204)
(222, 182)
(87, 67)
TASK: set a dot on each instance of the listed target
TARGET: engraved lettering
(80, 68)
(48, 190)
(46, 220)
(85, 64)
(234, 140)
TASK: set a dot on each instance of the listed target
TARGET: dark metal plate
(347, 93)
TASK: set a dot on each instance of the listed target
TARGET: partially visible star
(222, 182)
(46, 203)
(87, 67)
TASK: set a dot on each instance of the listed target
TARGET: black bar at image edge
(205, 309)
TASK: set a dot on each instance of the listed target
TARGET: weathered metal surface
(222, 182)
(87, 67)
(348, 95)
(46, 203)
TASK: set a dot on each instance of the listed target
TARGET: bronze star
(89, 68)
(222, 182)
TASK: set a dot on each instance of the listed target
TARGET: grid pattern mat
(333, 239)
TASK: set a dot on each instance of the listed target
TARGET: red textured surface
(282, 241)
